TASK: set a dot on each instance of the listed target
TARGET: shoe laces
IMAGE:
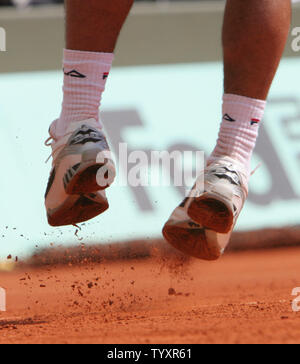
(255, 169)
(49, 143)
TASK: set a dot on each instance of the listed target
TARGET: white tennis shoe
(82, 169)
(202, 225)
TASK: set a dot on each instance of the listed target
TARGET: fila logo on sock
(255, 121)
(105, 75)
(74, 73)
(228, 118)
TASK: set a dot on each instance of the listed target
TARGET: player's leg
(92, 30)
(95, 25)
(254, 36)
(82, 167)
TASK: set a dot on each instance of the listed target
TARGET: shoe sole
(76, 212)
(192, 242)
(82, 179)
(210, 212)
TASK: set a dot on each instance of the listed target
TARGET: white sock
(239, 128)
(85, 76)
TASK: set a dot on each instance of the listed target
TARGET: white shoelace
(48, 144)
(255, 169)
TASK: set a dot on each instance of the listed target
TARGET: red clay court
(243, 298)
